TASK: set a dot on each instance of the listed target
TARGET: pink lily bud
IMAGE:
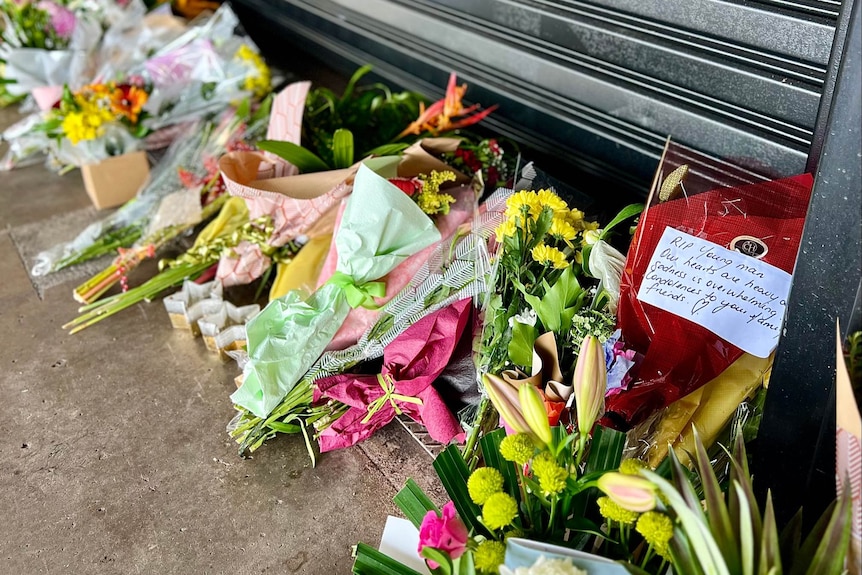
(628, 491)
(590, 382)
(505, 399)
(534, 412)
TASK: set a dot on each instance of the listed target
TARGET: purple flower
(62, 19)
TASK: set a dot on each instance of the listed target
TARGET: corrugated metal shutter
(597, 84)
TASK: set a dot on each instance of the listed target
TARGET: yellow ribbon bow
(359, 294)
(390, 396)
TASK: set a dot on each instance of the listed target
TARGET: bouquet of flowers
(48, 43)
(200, 73)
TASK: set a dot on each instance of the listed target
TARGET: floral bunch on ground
(93, 111)
(46, 24)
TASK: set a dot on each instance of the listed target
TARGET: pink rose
(447, 533)
(62, 19)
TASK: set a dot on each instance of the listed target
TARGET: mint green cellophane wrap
(380, 228)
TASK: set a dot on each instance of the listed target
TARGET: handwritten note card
(737, 297)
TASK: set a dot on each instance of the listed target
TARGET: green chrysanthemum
(499, 510)
(517, 448)
(512, 533)
(657, 530)
(543, 463)
(483, 483)
(489, 556)
(632, 466)
(553, 480)
(613, 512)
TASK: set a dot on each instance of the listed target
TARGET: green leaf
(283, 427)
(444, 561)
(490, 444)
(790, 540)
(584, 525)
(414, 503)
(308, 445)
(716, 508)
(305, 160)
(703, 547)
(342, 148)
(370, 561)
(770, 552)
(606, 450)
(824, 550)
(746, 532)
(453, 473)
(244, 108)
(464, 565)
(351, 85)
(626, 213)
(387, 150)
(521, 345)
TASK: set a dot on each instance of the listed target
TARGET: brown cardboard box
(115, 181)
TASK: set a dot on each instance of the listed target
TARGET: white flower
(544, 566)
(527, 317)
(607, 264)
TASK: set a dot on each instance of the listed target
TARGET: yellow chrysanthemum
(575, 216)
(657, 530)
(552, 200)
(87, 124)
(549, 256)
(517, 448)
(552, 477)
(489, 555)
(591, 226)
(483, 483)
(562, 229)
(506, 229)
(523, 202)
(499, 511)
(512, 533)
(611, 511)
(632, 467)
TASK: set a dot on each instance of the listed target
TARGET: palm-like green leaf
(370, 561)
(414, 503)
(305, 160)
(342, 148)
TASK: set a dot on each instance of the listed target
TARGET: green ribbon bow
(389, 396)
(358, 294)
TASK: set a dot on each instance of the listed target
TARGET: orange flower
(128, 101)
(446, 114)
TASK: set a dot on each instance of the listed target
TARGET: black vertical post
(795, 452)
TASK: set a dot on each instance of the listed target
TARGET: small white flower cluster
(545, 566)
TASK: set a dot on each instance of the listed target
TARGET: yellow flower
(613, 512)
(507, 228)
(489, 555)
(430, 200)
(547, 255)
(483, 483)
(562, 229)
(657, 530)
(259, 82)
(523, 202)
(591, 226)
(552, 200)
(632, 467)
(517, 448)
(499, 511)
(552, 477)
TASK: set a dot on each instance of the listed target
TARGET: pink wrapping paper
(246, 174)
(360, 319)
(411, 363)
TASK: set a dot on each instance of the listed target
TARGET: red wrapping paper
(679, 355)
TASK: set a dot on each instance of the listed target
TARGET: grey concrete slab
(114, 456)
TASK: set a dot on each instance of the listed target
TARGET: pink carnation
(447, 533)
(62, 19)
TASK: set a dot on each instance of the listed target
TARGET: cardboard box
(115, 181)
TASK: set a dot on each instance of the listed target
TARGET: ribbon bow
(388, 385)
(411, 364)
(358, 294)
